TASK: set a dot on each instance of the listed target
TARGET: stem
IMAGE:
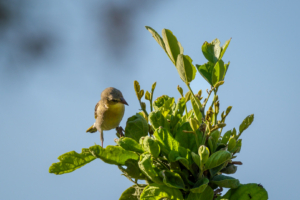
(197, 140)
(151, 108)
(215, 114)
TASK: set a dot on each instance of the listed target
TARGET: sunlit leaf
(157, 192)
(165, 140)
(218, 72)
(224, 48)
(164, 104)
(71, 161)
(172, 45)
(130, 144)
(211, 51)
(113, 154)
(146, 166)
(157, 37)
(196, 107)
(132, 193)
(185, 68)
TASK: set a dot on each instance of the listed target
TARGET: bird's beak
(123, 101)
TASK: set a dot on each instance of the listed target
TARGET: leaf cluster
(180, 153)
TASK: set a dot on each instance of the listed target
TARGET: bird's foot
(120, 131)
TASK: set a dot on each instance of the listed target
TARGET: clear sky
(47, 104)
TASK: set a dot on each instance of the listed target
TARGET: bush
(180, 153)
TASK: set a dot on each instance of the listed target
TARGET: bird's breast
(113, 116)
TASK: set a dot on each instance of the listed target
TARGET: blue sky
(45, 112)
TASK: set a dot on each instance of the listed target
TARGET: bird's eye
(115, 100)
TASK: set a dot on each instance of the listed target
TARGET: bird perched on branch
(109, 112)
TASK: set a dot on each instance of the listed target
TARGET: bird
(109, 112)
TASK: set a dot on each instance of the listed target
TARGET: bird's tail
(92, 129)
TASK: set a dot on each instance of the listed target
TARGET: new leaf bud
(180, 90)
(143, 105)
(141, 94)
(228, 110)
(148, 95)
(203, 153)
(136, 86)
(153, 87)
(187, 96)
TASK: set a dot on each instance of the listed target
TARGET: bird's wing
(96, 107)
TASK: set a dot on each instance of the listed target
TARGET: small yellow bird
(109, 112)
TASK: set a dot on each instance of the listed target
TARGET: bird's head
(113, 96)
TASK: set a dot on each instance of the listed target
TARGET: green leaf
(225, 181)
(224, 47)
(165, 140)
(196, 159)
(206, 71)
(217, 159)
(132, 193)
(113, 154)
(207, 194)
(132, 169)
(130, 144)
(173, 47)
(157, 119)
(136, 127)
(177, 112)
(231, 144)
(185, 68)
(165, 104)
(215, 170)
(246, 191)
(157, 192)
(146, 166)
(246, 123)
(200, 185)
(183, 155)
(215, 135)
(71, 161)
(187, 140)
(157, 37)
(212, 51)
(172, 179)
(226, 137)
(196, 107)
(218, 72)
(229, 169)
(151, 146)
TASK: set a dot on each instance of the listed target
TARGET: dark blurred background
(57, 56)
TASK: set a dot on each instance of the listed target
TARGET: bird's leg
(101, 137)
(120, 130)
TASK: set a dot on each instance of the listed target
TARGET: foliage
(180, 153)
